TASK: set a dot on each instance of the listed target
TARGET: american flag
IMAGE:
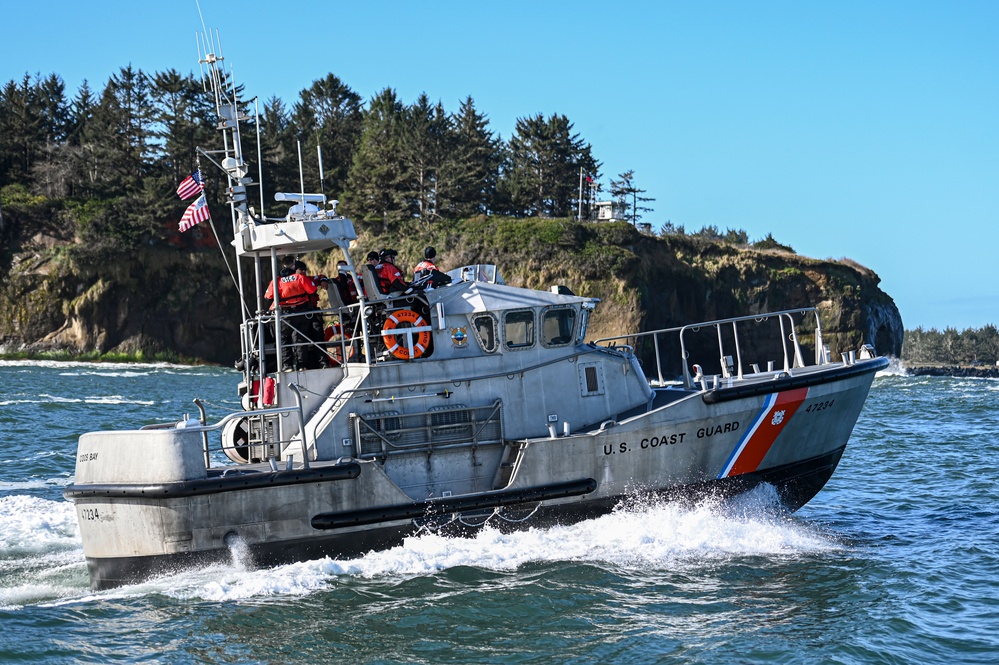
(195, 213)
(191, 185)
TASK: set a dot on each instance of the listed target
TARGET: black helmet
(429, 253)
(372, 256)
(387, 252)
(299, 265)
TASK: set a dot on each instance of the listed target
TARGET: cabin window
(484, 327)
(556, 326)
(584, 321)
(518, 329)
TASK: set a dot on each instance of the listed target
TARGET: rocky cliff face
(152, 301)
(648, 283)
(57, 296)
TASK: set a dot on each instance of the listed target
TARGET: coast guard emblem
(459, 337)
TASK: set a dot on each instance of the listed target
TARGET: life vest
(293, 290)
(424, 266)
(388, 275)
(348, 292)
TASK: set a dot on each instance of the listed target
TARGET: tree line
(972, 346)
(112, 158)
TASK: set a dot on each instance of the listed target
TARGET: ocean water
(895, 561)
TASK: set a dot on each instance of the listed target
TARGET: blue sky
(867, 130)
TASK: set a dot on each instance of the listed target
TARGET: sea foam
(662, 536)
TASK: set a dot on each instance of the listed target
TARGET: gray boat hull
(694, 444)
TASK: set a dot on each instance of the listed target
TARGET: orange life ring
(334, 351)
(420, 340)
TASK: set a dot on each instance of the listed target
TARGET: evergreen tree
(375, 191)
(473, 167)
(131, 90)
(115, 143)
(21, 129)
(424, 149)
(54, 109)
(183, 117)
(623, 189)
(542, 175)
(81, 110)
(51, 170)
(328, 114)
(277, 147)
(103, 148)
(65, 174)
(989, 344)
(949, 346)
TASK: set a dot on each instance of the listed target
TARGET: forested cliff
(179, 301)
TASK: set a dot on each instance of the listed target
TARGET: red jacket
(294, 291)
(390, 278)
(425, 265)
(317, 281)
(348, 292)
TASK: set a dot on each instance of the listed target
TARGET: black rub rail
(217, 484)
(457, 504)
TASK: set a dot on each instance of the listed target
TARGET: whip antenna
(322, 176)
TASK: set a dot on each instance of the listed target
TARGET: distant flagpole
(579, 206)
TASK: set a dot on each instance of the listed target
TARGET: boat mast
(223, 88)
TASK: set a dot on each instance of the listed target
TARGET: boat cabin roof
(473, 297)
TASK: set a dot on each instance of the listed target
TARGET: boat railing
(343, 325)
(262, 417)
(351, 334)
(734, 359)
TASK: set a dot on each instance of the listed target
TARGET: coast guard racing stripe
(756, 442)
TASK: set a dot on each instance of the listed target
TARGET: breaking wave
(895, 368)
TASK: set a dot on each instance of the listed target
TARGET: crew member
(369, 275)
(345, 284)
(389, 276)
(426, 274)
(294, 296)
(426, 266)
(319, 280)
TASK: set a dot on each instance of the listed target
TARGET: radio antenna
(322, 175)
(301, 175)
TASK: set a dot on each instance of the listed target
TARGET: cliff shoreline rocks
(984, 372)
